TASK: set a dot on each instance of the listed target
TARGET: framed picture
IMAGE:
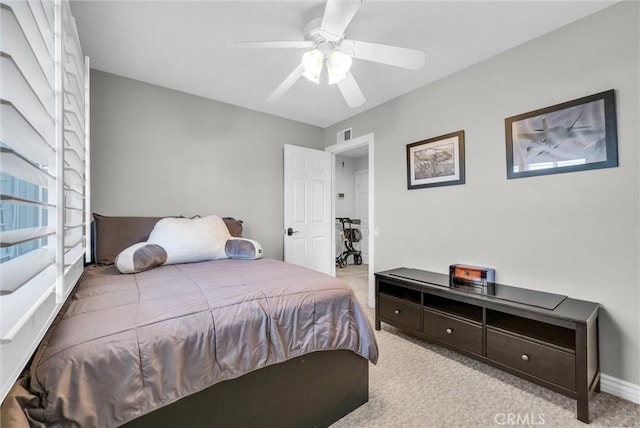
(436, 162)
(572, 136)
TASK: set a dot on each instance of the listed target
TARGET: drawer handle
(397, 312)
(449, 331)
(525, 357)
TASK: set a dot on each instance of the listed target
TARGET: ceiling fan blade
(338, 15)
(351, 91)
(286, 84)
(413, 59)
(301, 44)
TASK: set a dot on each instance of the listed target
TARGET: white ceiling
(182, 45)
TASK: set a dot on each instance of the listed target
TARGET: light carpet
(418, 384)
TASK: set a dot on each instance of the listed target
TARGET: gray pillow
(113, 234)
(140, 257)
(241, 248)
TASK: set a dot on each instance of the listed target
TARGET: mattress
(129, 344)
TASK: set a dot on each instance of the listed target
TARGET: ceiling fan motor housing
(316, 34)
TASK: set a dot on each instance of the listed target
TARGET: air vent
(344, 135)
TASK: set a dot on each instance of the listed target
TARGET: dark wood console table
(545, 338)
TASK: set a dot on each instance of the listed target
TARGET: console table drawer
(399, 312)
(544, 362)
(465, 335)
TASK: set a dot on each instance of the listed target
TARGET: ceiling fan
(325, 42)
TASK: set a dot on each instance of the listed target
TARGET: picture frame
(437, 161)
(572, 136)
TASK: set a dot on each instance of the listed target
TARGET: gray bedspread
(128, 344)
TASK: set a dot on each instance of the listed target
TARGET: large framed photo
(436, 162)
(573, 136)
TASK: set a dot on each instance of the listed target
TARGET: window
(24, 206)
(43, 173)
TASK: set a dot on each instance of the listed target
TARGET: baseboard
(620, 388)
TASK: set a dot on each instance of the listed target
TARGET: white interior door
(362, 212)
(308, 223)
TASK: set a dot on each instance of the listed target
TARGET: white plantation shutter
(43, 172)
(74, 153)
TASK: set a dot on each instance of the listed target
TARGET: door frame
(358, 208)
(365, 140)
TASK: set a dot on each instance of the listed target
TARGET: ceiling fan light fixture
(338, 66)
(312, 63)
(340, 61)
(312, 77)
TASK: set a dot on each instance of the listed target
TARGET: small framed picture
(573, 136)
(436, 162)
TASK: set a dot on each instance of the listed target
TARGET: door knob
(290, 231)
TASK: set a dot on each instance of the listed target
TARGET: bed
(214, 343)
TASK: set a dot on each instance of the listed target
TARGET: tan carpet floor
(418, 384)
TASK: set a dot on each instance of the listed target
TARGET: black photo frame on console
(573, 136)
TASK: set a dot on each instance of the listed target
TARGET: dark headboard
(111, 235)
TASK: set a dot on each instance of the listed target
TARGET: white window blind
(43, 172)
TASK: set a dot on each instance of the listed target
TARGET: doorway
(352, 190)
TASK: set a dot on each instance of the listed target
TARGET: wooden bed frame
(313, 390)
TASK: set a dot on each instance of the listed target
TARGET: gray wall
(345, 183)
(574, 233)
(155, 151)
